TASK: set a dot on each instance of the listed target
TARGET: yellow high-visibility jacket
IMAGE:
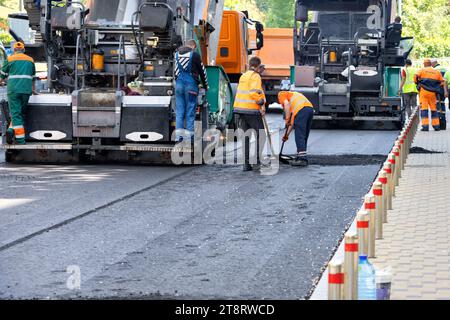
(249, 91)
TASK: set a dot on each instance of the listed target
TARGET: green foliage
(279, 13)
(428, 21)
(272, 13)
(5, 38)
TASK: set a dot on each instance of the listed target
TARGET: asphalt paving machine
(348, 55)
(95, 53)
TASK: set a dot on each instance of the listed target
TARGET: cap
(19, 46)
(282, 96)
(433, 60)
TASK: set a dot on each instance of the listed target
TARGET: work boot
(247, 167)
(300, 162)
(437, 128)
(9, 136)
(424, 129)
(261, 166)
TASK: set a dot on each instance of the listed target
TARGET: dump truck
(239, 38)
(94, 54)
(348, 56)
(277, 56)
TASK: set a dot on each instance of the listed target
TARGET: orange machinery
(277, 55)
(237, 43)
(234, 44)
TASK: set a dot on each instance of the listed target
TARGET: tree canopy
(428, 21)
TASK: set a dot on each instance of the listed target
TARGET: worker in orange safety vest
(299, 113)
(429, 82)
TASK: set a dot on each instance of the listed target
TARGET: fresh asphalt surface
(183, 232)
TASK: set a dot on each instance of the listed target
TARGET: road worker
(298, 115)
(429, 82)
(249, 106)
(447, 80)
(440, 96)
(408, 89)
(20, 71)
(189, 71)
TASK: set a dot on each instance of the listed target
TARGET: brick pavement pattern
(416, 239)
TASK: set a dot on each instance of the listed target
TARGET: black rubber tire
(9, 156)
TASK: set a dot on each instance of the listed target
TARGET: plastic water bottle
(367, 289)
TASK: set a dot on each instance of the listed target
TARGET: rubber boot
(9, 136)
(443, 122)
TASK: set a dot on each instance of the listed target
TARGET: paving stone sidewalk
(416, 239)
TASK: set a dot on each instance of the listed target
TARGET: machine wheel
(9, 156)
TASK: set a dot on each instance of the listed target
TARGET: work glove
(262, 110)
(260, 102)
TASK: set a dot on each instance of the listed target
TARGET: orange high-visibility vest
(249, 91)
(429, 79)
(297, 101)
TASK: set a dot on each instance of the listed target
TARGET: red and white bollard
(396, 152)
(351, 266)
(399, 156)
(403, 150)
(387, 169)
(335, 280)
(362, 227)
(377, 190)
(382, 177)
(391, 173)
(370, 207)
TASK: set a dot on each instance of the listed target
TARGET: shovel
(285, 158)
(269, 137)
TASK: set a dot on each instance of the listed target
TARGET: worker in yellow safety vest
(249, 106)
(408, 89)
(299, 113)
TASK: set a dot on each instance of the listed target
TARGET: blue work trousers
(186, 94)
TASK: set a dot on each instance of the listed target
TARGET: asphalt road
(183, 232)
